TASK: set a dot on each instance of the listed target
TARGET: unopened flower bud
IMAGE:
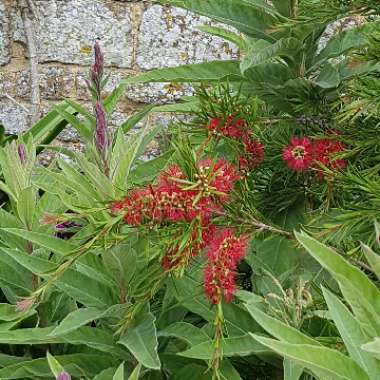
(21, 153)
(101, 137)
(98, 67)
(25, 304)
(63, 376)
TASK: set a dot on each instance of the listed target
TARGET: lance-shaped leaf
(141, 339)
(372, 258)
(47, 241)
(292, 370)
(237, 346)
(277, 328)
(76, 319)
(352, 334)
(326, 363)
(201, 72)
(136, 373)
(253, 17)
(92, 337)
(353, 283)
(75, 364)
(373, 348)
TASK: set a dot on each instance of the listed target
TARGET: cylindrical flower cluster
(176, 199)
(237, 129)
(224, 253)
(303, 154)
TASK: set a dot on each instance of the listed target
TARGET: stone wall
(135, 36)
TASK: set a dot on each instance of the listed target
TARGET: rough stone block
(168, 37)
(13, 116)
(68, 29)
(4, 36)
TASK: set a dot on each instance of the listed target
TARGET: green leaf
(326, 363)
(228, 371)
(187, 332)
(141, 339)
(54, 365)
(136, 373)
(373, 348)
(225, 34)
(136, 118)
(372, 258)
(328, 77)
(49, 127)
(201, 72)
(76, 319)
(147, 171)
(237, 346)
(119, 374)
(340, 43)
(9, 313)
(283, 6)
(127, 156)
(78, 365)
(292, 371)
(26, 206)
(81, 128)
(286, 48)
(351, 333)
(84, 289)
(92, 337)
(277, 328)
(55, 245)
(253, 17)
(352, 282)
(190, 295)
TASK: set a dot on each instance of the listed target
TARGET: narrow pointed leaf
(76, 319)
(373, 259)
(55, 245)
(237, 346)
(279, 329)
(326, 363)
(351, 333)
(136, 373)
(141, 340)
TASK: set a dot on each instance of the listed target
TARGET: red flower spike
(324, 151)
(220, 176)
(255, 152)
(298, 155)
(224, 253)
(231, 127)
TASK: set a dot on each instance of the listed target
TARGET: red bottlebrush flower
(233, 128)
(168, 178)
(230, 127)
(220, 176)
(214, 125)
(178, 259)
(324, 152)
(255, 151)
(224, 253)
(298, 155)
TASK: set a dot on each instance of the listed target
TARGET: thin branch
(28, 15)
(13, 100)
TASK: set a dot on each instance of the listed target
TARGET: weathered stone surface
(13, 116)
(4, 35)
(67, 30)
(168, 37)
